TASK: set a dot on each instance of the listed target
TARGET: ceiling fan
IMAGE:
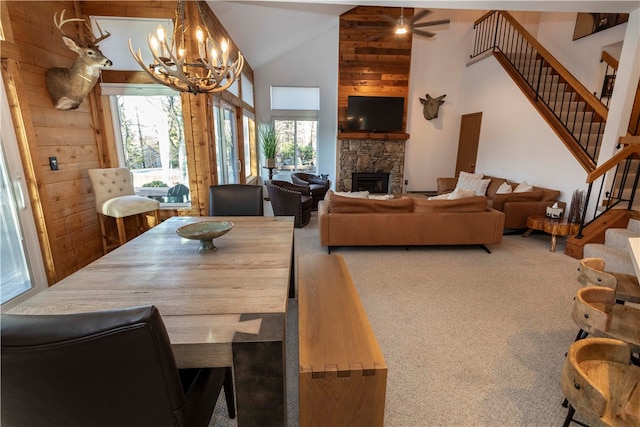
(402, 25)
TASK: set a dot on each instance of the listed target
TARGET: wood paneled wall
(372, 68)
(81, 139)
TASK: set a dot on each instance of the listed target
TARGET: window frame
(112, 91)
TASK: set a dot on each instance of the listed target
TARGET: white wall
(515, 142)
(438, 66)
(314, 64)
(581, 57)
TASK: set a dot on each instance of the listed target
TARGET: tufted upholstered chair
(290, 199)
(115, 197)
(102, 369)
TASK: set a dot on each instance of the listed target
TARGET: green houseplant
(269, 141)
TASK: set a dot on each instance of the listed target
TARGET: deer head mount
(431, 106)
(68, 86)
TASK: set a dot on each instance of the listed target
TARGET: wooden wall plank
(82, 139)
(372, 68)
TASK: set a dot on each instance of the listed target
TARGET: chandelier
(180, 68)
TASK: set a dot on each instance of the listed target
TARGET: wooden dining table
(221, 308)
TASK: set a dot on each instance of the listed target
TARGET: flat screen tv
(375, 113)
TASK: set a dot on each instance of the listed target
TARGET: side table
(555, 227)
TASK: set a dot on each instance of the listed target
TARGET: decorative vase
(271, 163)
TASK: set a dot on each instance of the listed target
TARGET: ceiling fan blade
(389, 18)
(431, 23)
(424, 33)
(419, 15)
(376, 37)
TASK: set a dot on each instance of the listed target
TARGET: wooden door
(468, 142)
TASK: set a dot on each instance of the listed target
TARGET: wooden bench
(343, 374)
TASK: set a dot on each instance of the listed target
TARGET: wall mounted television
(375, 113)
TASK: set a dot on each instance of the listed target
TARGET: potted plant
(269, 142)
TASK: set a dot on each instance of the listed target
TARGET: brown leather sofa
(407, 221)
(517, 207)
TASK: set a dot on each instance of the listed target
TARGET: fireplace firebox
(373, 182)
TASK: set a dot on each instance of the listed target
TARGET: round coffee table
(555, 227)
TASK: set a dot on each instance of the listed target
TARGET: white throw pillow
(481, 187)
(381, 196)
(444, 196)
(505, 188)
(460, 194)
(473, 181)
(468, 181)
(523, 187)
(354, 194)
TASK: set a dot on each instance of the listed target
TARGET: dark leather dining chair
(236, 200)
(289, 199)
(318, 185)
(101, 369)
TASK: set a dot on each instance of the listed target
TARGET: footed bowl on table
(205, 232)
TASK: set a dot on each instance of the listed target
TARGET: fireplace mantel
(400, 136)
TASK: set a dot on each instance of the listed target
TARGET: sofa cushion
(467, 204)
(341, 204)
(530, 196)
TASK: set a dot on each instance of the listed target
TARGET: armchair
(102, 369)
(318, 186)
(290, 199)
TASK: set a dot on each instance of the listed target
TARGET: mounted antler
(69, 86)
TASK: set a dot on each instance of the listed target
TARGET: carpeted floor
(470, 338)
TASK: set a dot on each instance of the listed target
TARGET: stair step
(634, 226)
(565, 106)
(575, 116)
(615, 259)
(619, 238)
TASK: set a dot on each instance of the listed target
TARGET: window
(150, 133)
(297, 125)
(298, 140)
(249, 126)
(228, 162)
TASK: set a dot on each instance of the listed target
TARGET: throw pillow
(505, 188)
(444, 196)
(473, 181)
(523, 187)
(354, 194)
(461, 194)
(468, 180)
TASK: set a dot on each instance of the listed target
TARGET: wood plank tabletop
(201, 296)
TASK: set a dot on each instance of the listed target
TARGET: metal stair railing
(619, 177)
(580, 113)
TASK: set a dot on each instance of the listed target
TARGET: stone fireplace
(371, 156)
(373, 182)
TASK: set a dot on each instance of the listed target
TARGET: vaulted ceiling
(265, 29)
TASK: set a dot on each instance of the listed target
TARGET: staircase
(615, 249)
(575, 115)
(569, 108)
